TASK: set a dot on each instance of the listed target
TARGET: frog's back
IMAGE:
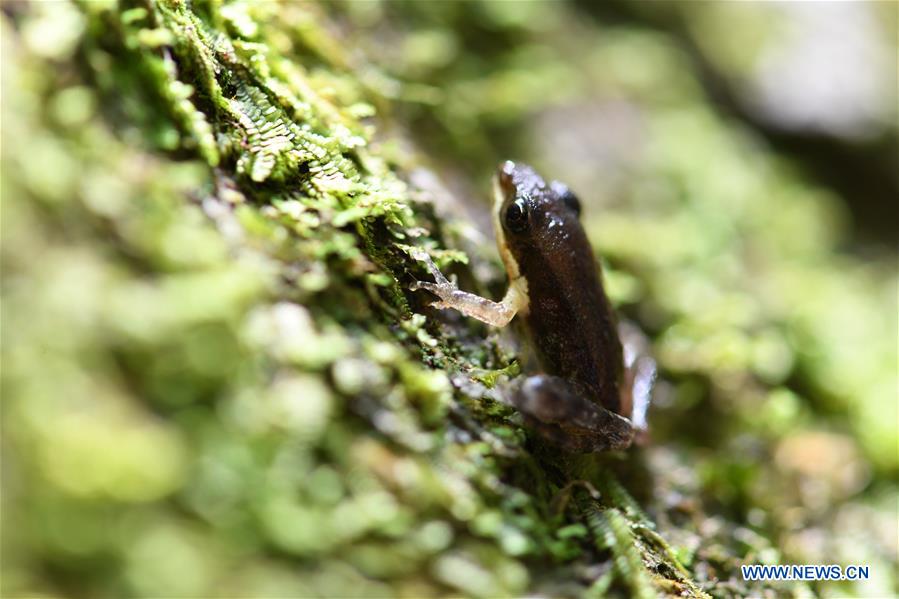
(569, 318)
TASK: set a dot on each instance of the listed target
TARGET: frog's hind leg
(560, 412)
(639, 376)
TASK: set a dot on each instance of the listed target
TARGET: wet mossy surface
(216, 381)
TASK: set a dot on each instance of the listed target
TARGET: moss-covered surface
(215, 379)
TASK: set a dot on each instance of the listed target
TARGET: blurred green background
(216, 383)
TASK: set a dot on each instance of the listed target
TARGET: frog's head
(531, 216)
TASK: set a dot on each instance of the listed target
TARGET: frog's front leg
(560, 411)
(493, 313)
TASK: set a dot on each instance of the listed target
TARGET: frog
(593, 380)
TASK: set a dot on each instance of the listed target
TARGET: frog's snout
(505, 176)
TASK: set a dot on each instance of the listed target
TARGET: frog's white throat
(505, 253)
(517, 295)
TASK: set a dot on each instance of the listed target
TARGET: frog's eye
(572, 201)
(517, 216)
(566, 196)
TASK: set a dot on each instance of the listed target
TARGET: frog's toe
(419, 285)
(441, 291)
(422, 256)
